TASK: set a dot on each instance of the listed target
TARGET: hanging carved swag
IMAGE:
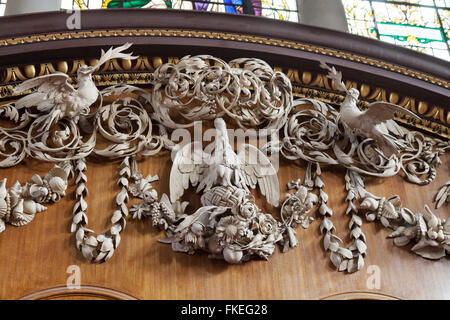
(55, 123)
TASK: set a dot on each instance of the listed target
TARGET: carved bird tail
(115, 53)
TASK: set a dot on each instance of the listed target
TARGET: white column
(323, 13)
(29, 6)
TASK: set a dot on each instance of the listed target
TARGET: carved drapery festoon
(64, 125)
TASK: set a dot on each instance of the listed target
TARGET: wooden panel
(35, 257)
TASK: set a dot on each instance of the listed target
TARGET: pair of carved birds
(58, 97)
(368, 123)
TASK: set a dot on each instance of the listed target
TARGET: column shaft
(323, 13)
(29, 6)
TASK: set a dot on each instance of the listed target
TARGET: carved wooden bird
(368, 123)
(223, 167)
(58, 97)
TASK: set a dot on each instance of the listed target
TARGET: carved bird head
(84, 71)
(354, 93)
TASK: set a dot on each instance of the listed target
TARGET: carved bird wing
(379, 112)
(189, 164)
(49, 87)
(256, 168)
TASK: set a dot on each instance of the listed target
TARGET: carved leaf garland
(99, 248)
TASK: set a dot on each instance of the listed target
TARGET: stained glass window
(422, 25)
(275, 9)
(2, 7)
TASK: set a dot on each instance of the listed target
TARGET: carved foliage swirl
(314, 134)
(125, 124)
(204, 87)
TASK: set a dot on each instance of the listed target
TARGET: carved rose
(267, 224)
(247, 210)
(297, 207)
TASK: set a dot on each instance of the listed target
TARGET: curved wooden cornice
(44, 23)
(38, 38)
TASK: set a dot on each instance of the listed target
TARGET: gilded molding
(222, 36)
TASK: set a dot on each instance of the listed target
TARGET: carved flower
(267, 224)
(228, 229)
(246, 210)
(142, 188)
(298, 207)
(140, 210)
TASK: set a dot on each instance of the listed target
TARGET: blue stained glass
(235, 5)
(275, 9)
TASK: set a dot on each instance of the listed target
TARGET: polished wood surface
(34, 258)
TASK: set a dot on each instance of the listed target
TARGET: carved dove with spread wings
(58, 97)
(368, 123)
(223, 167)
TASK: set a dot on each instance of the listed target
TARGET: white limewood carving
(57, 123)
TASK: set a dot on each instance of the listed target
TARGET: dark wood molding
(50, 22)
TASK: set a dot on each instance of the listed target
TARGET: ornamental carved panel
(253, 122)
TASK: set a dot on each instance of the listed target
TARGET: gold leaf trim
(222, 36)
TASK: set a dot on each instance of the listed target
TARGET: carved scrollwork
(314, 134)
(205, 88)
